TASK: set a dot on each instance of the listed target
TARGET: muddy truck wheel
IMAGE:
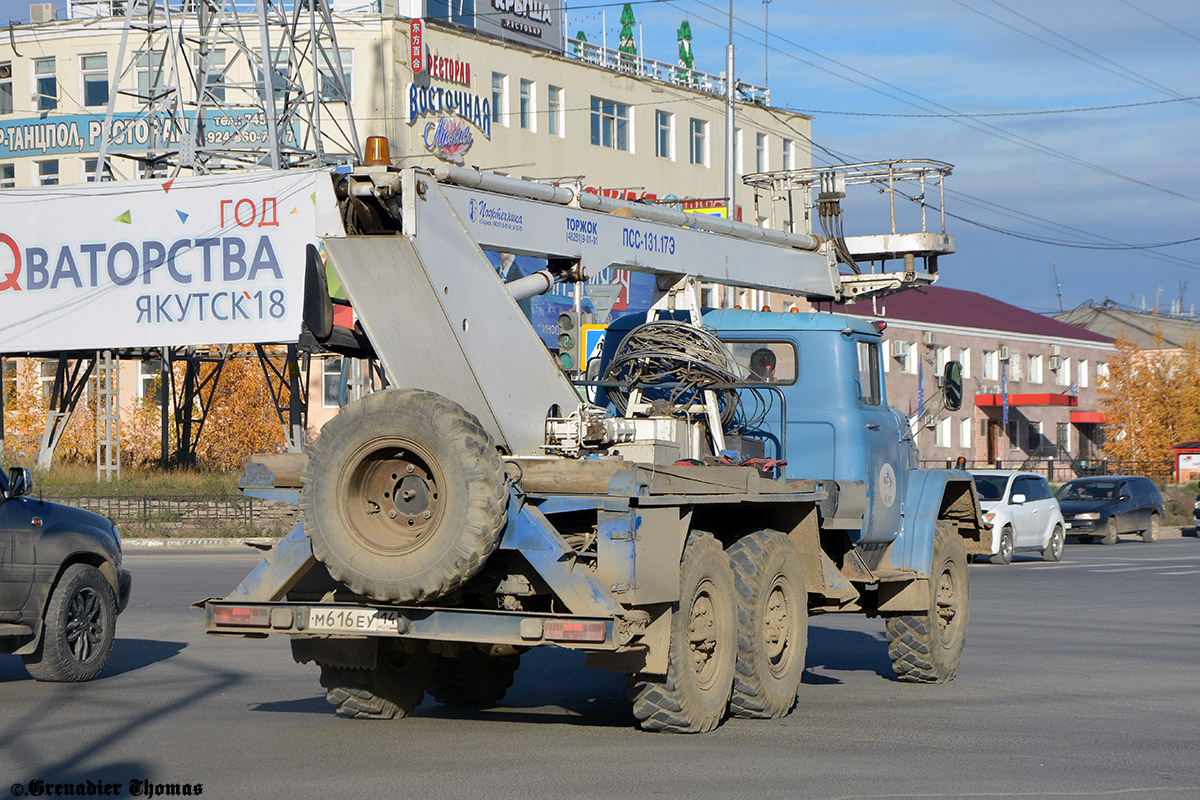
(927, 648)
(404, 496)
(390, 690)
(772, 625)
(473, 679)
(693, 696)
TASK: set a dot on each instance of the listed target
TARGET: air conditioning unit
(43, 12)
(899, 348)
(1003, 352)
(1056, 363)
(1056, 349)
(928, 338)
(930, 421)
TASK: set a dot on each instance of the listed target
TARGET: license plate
(1068, 525)
(366, 620)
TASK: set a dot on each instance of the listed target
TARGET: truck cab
(827, 413)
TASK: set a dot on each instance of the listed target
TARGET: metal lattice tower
(221, 86)
(108, 416)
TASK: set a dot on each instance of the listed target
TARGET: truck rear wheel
(392, 689)
(404, 496)
(927, 648)
(693, 696)
(772, 608)
(473, 679)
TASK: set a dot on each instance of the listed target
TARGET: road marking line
(1185, 572)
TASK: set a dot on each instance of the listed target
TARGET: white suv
(1022, 512)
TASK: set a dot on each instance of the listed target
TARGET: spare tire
(404, 496)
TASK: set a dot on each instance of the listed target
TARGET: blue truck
(677, 511)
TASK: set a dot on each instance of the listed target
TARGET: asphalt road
(1081, 679)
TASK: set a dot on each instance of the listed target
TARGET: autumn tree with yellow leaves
(1150, 401)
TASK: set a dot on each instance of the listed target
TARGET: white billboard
(189, 261)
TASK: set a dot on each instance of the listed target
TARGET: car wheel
(79, 628)
(1151, 533)
(1054, 547)
(1005, 553)
(1110, 532)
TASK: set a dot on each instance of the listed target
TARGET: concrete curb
(227, 543)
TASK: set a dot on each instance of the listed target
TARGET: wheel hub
(777, 628)
(702, 635)
(84, 626)
(394, 501)
(947, 606)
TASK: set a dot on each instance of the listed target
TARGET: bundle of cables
(673, 363)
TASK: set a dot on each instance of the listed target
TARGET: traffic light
(570, 339)
(570, 345)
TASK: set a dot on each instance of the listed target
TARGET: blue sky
(1126, 173)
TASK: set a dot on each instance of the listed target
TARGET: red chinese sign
(416, 50)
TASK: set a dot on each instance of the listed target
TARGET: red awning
(1095, 417)
(989, 400)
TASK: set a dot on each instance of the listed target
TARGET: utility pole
(766, 43)
(730, 168)
(1057, 285)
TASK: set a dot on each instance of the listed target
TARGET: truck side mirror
(952, 385)
(20, 482)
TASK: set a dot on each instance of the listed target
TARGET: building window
(1014, 435)
(214, 79)
(150, 381)
(1062, 375)
(88, 166)
(46, 84)
(964, 358)
(1082, 372)
(150, 75)
(941, 432)
(94, 71)
(48, 172)
(8, 176)
(331, 382)
(6, 90)
(525, 110)
(610, 124)
(46, 369)
(329, 86)
(1035, 367)
(964, 432)
(1062, 437)
(907, 356)
(991, 365)
(664, 134)
(1035, 436)
(1101, 373)
(698, 142)
(554, 122)
(941, 357)
(499, 98)
(760, 152)
(787, 154)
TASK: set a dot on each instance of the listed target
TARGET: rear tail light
(561, 630)
(242, 616)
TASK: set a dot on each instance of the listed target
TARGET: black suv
(61, 583)
(1110, 505)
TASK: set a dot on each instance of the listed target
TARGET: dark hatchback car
(61, 583)
(1111, 505)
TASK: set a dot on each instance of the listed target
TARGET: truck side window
(768, 362)
(868, 373)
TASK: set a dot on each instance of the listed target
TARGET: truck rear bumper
(256, 620)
